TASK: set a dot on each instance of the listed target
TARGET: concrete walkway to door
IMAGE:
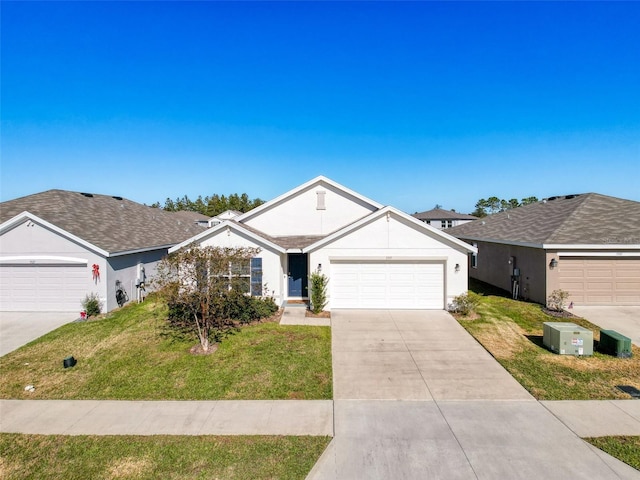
(417, 397)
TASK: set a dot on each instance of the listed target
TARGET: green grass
(165, 457)
(626, 449)
(129, 355)
(512, 332)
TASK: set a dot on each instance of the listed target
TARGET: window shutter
(256, 277)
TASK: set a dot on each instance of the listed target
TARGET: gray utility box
(615, 343)
(567, 338)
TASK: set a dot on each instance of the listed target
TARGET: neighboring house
(58, 246)
(588, 245)
(226, 215)
(374, 256)
(441, 219)
(194, 217)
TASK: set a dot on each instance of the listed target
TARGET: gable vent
(88, 195)
(320, 205)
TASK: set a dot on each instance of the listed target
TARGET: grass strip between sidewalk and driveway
(626, 449)
(130, 355)
(511, 331)
(153, 457)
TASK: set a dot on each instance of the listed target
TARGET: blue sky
(409, 103)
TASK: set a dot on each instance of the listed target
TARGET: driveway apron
(623, 319)
(19, 328)
(416, 397)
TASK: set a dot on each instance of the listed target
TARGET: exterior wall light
(319, 267)
(457, 267)
(553, 263)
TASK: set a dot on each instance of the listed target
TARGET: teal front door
(297, 275)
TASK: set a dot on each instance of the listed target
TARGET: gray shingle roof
(587, 219)
(440, 214)
(111, 223)
(286, 242)
(192, 216)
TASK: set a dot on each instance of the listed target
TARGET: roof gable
(110, 223)
(23, 217)
(230, 225)
(315, 208)
(587, 219)
(390, 212)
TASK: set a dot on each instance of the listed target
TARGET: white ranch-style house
(375, 256)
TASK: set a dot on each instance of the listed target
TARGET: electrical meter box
(567, 338)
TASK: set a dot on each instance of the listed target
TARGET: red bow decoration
(96, 272)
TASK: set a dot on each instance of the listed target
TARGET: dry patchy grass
(129, 467)
(512, 332)
(152, 457)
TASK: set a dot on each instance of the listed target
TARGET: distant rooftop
(440, 214)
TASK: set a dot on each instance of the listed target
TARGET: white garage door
(56, 288)
(601, 281)
(379, 284)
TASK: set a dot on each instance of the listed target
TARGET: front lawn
(166, 457)
(512, 332)
(130, 355)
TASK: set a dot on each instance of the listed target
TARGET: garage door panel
(387, 285)
(601, 281)
(627, 273)
(599, 273)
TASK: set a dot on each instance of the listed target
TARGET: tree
(199, 283)
(437, 207)
(494, 204)
(213, 205)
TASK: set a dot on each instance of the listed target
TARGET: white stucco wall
(272, 260)
(397, 239)
(299, 215)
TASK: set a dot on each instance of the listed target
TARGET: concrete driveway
(416, 397)
(19, 328)
(625, 320)
(413, 355)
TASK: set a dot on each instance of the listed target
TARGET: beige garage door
(33, 288)
(601, 281)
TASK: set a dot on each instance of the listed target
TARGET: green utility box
(567, 338)
(615, 343)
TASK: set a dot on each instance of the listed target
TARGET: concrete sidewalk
(118, 417)
(598, 418)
